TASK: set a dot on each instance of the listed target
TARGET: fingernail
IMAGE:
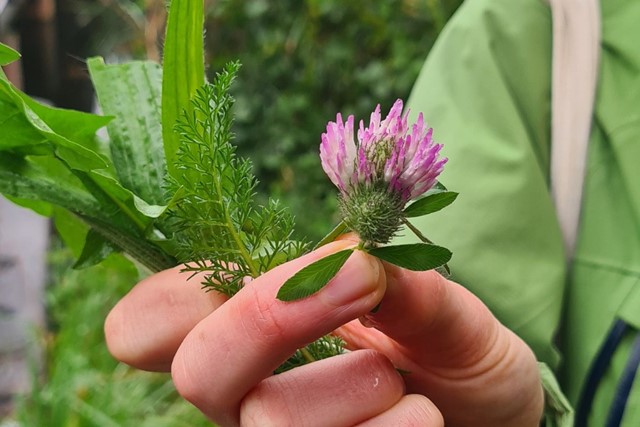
(368, 321)
(358, 278)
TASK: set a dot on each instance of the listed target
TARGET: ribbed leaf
(131, 93)
(416, 257)
(183, 68)
(313, 277)
(45, 179)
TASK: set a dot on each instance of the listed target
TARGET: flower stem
(443, 269)
(306, 354)
(417, 232)
(333, 234)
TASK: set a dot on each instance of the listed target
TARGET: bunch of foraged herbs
(167, 188)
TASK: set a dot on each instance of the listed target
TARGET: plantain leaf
(183, 68)
(313, 277)
(433, 201)
(45, 179)
(131, 93)
(416, 256)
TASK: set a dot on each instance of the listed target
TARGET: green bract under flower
(372, 212)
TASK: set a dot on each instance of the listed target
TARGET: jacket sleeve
(485, 89)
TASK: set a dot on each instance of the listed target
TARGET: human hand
(461, 364)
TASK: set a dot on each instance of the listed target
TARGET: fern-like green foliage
(213, 221)
(217, 228)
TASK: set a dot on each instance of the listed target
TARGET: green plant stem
(444, 269)
(415, 231)
(307, 355)
(138, 248)
(236, 237)
(333, 234)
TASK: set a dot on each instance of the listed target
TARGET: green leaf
(313, 277)
(416, 256)
(71, 229)
(77, 126)
(183, 68)
(111, 193)
(95, 250)
(432, 202)
(7, 55)
(75, 155)
(37, 206)
(131, 92)
(45, 179)
(333, 234)
(16, 130)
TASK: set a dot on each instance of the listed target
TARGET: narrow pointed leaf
(7, 55)
(131, 92)
(16, 130)
(182, 69)
(96, 248)
(416, 256)
(313, 277)
(333, 234)
(430, 203)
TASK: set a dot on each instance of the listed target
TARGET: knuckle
(262, 324)
(377, 376)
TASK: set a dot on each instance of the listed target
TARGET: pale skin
(458, 362)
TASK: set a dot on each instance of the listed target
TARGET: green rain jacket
(485, 89)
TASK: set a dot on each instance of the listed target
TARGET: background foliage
(303, 61)
(85, 386)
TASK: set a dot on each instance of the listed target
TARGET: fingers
(147, 326)
(455, 350)
(432, 317)
(412, 410)
(341, 391)
(244, 340)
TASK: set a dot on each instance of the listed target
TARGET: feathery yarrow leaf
(217, 228)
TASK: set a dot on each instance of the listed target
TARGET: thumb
(454, 350)
(435, 320)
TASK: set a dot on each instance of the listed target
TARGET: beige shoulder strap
(576, 47)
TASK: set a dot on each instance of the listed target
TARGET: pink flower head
(387, 152)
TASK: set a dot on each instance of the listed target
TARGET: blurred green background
(303, 61)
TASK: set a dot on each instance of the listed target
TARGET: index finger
(242, 342)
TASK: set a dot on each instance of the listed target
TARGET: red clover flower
(388, 165)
